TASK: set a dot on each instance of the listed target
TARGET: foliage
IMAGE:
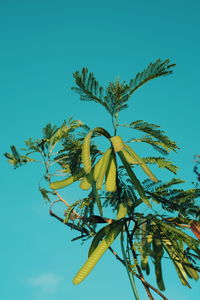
(154, 219)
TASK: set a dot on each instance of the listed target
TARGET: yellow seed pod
(111, 185)
(130, 159)
(149, 238)
(103, 168)
(117, 143)
(97, 254)
(65, 182)
(122, 211)
(141, 163)
(97, 168)
(85, 183)
(86, 160)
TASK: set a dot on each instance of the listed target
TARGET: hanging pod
(103, 168)
(141, 163)
(111, 174)
(97, 253)
(157, 255)
(86, 160)
(176, 260)
(119, 148)
(89, 179)
(146, 241)
(99, 236)
(134, 179)
(122, 211)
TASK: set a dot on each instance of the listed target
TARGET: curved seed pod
(190, 271)
(145, 249)
(174, 257)
(122, 211)
(86, 153)
(111, 185)
(117, 143)
(99, 236)
(65, 182)
(103, 168)
(97, 168)
(134, 179)
(129, 158)
(86, 147)
(141, 163)
(157, 254)
(149, 238)
(88, 180)
(97, 254)
(85, 183)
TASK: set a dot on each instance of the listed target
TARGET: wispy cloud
(46, 283)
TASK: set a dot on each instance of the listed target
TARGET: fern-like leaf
(162, 163)
(153, 130)
(157, 69)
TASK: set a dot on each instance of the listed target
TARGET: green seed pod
(86, 160)
(117, 143)
(111, 185)
(141, 163)
(97, 254)
(65, 182)
(122, 211)
(103, 168)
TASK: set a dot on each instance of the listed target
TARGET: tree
(112, 180)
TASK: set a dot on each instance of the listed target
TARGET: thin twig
(71, 225)
(138, 276)
(76, 215)
(83, 230)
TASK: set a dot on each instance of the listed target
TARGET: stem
(146, 286)
(83, 230)
(130, 275)
(138, 276)
(114, 122)
(71, 225)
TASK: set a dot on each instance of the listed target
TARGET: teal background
(42, 44)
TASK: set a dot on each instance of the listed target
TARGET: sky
(42, 44)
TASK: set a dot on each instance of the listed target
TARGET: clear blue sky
(42, 44)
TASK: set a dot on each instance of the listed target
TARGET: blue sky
(42, 44)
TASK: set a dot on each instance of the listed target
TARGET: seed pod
(117, 143)
(190, 271)
(99, 236)
(97, 254)
(141, 163)
(65, 182)
(86, 160)
(129, 158)
(157, 254)
(111, 174)
(86, 153)
(85, 183)
(103, 168)
(134, 179)
(122, 211)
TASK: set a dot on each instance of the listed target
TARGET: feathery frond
(153, 131)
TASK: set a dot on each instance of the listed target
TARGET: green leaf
(157, 69)
(162, 163)
(99, 236)
(153, 131)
